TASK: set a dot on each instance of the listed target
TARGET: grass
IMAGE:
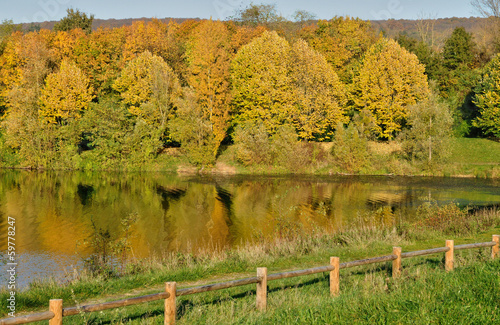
(474, 157)
(424, 294)
(475, 151)
(294, 251)
(470, 157)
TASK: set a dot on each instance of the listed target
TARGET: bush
(252, 144)
(350, 149)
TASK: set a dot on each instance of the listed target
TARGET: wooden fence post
(495, 249)
(335, 276)
(396, 264)
(449, 256)
(56, 306)
(170, 304)
(262, 288)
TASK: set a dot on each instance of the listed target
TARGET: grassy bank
(301, 251)
(468, 157)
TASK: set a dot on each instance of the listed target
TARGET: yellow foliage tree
(342, 40)
(149, 88)
(279, 84)
(65, 95)
(320, 96)
(152, 36)
(262, 87)
(208, 59)
(389, 82)
(63, 43)
(10, 66)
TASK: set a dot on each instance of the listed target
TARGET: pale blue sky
(40, 10)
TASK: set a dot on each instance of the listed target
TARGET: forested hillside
(120, 97)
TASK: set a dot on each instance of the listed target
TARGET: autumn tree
(320, 96)
(279, 84)
(208, 58)
(63, 43)
(75, 19)
(389, 82)
(149, 88)
(66, 94)
(487, 99)
(100, 56)
(429, 57)
(28, 57)
(152, 36)
(262, 87)
(7, 27)
(342, 40)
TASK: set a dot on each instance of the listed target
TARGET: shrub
(350, 149)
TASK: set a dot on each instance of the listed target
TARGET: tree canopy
(389, 82)
(75, 19)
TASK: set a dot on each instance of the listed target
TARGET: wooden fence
(56, 311)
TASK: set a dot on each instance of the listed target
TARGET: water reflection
(56, 212)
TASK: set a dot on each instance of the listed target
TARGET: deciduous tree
(487, 99)
(149, 88)
(342, 40)
(208, 56)
(429, 134)
(389, 82)
(66, 94)
(262, 87)
(320, 96)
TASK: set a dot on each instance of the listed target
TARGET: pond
(57, 213)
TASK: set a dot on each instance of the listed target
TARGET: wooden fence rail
(57, 312)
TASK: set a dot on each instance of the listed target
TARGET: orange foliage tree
(208, 58)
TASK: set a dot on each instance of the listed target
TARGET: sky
(22, 11)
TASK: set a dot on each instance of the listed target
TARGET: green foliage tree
(193, 129)
(258, 14)
(390, 80)
(487, 100)
(106, 127)
(430, 58)
(428, 138)
(75, 19)
(350, 149)
(252, 143)
(458, 49)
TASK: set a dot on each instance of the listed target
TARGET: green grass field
(474, 157)
(475, 151)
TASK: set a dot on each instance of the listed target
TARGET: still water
(56, 213)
